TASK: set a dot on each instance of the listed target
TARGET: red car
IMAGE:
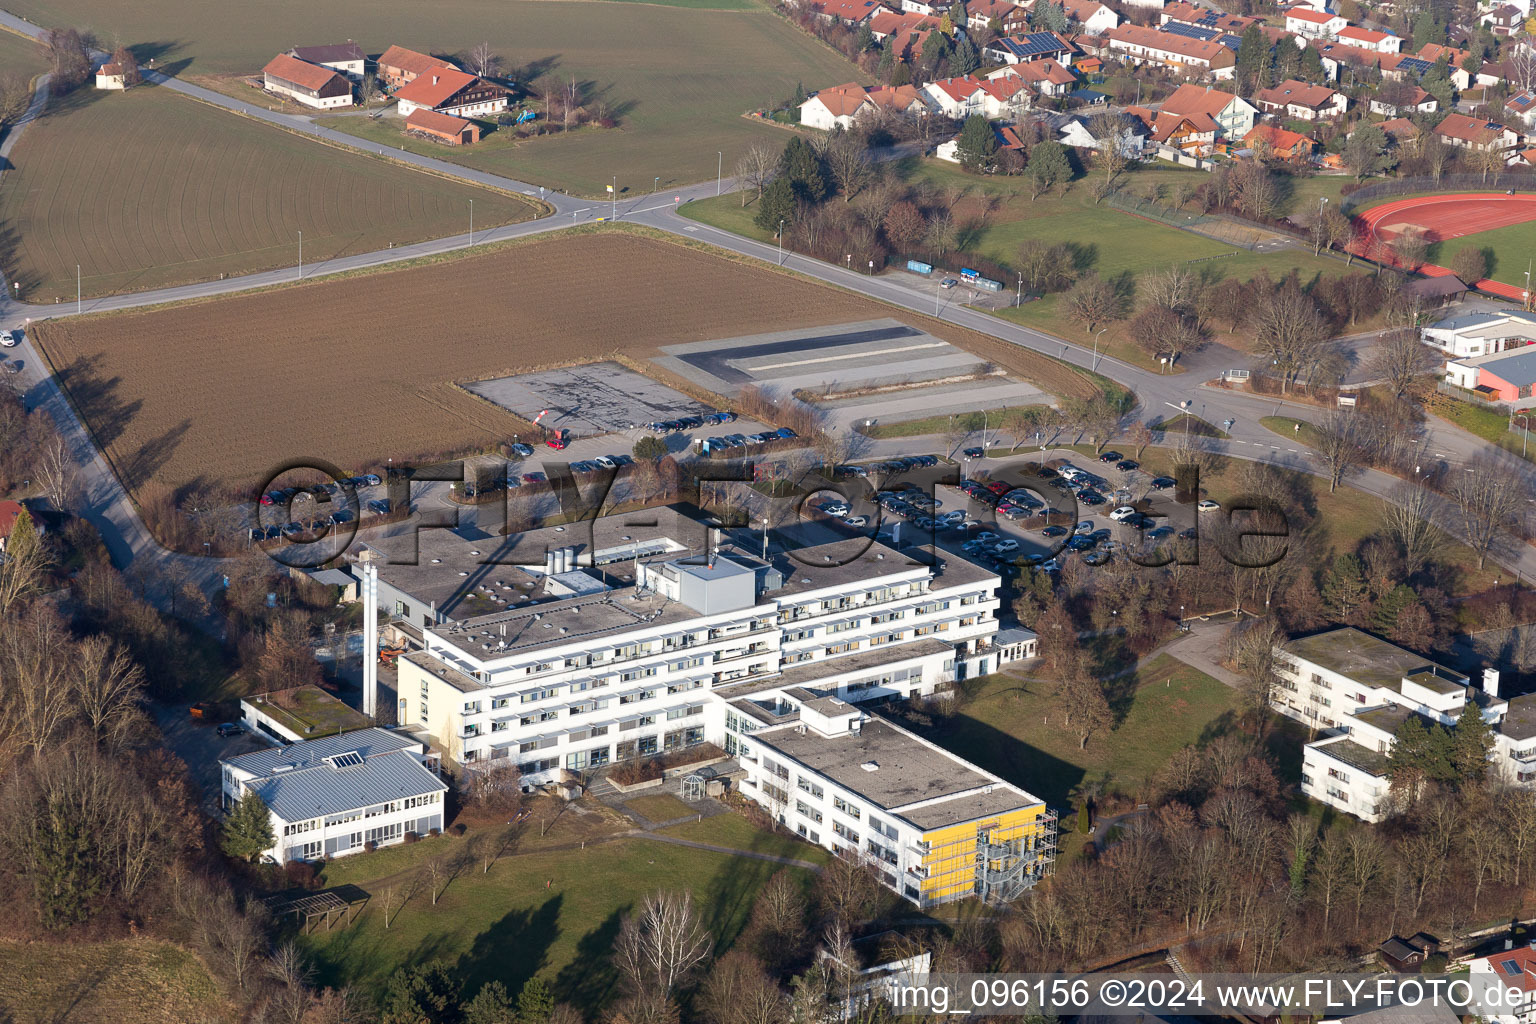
(999, 488)
(558, 441)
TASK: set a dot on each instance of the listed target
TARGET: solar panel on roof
(1179, 28)
(1509, 967)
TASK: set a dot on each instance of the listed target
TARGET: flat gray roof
(1517, 367)
(1519, 721)
(908, 771)
(1356, 756)
(461, 681)
(1364, 658)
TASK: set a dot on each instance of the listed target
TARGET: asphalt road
(109, 508)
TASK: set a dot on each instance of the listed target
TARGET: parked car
(690, 422)
(1121, 514)
(1208, 506)
(1054, 531)
(1005, 545)
(558, 441)
(974, 452)
(521, 450)
(606, 462)
(274, 532)
(533, 478)
(785, 434)
(857, 520)
(1090, 498)
(1086, 526)
(1126, 465)
(1111, 457)
(948, 282)
(258, 533)
(10, 339)
(1162, 483)
(229, 729)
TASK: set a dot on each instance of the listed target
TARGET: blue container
(919, 267)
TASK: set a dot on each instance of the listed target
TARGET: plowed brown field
(358, 369)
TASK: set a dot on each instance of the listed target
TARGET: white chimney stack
(549, 562)
(1491, 682)
(370, 639)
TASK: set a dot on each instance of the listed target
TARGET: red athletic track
(1442, 218)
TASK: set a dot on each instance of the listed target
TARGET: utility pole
(301, 255)
(781, 241)
(615, 190)
(77, 289)
(719, 169)
(471, 222)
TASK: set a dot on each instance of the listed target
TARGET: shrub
(301, 874)
(459, 829)
(370, 846)
(1083, 824)
(412, 837)
(434, 833)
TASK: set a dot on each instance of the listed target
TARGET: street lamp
(471, 222)
(1095, 365)
(656, 184)
(615, 190)
(719, 169)
(781, 241)
(1183, 407)
(848, 261)
(301, 255)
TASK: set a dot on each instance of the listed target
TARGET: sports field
(677, 78)
(363, 368)
(1503, 226)
(146, 188)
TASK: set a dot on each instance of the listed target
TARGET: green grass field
(678, 75)
(997, 216)
(1010, 727)
(553, 914)
(736, 833)
(146, 188)
(1509, 251)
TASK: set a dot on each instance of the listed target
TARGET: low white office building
(1481, 334)
(335, 796)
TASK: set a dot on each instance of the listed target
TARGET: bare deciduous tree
(755, 170)
(1407, 519)
(848, 160)
(483, 60)
(1339, 444)
(1488, 496)
(660, 945)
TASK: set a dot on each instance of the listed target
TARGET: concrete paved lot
(600, 398)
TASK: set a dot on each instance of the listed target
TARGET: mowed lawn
(1010, 726)
(146, 189)
(1508, 251)
(551, 914)
(678, 77)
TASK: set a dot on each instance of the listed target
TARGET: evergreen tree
(535, 1002)
(1048, 166)
(1252, 55)
(1391, 606)
(965, 58)
(866, 39)
(1048, 16)
(1471, 743)
(422, 994)
(977, 143)
(248, 829)
(886, 69)
(23, 539)
(67, 879)
(1311, 65)
(777, 206)
(935, 51)
(491, 1006)
(1437, 82)
(1427, 30)
(802, 167)
(1344, 587)
(902, 74)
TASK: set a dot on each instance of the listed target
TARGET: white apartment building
(1361, 690)
(650, 637)
(332, 797)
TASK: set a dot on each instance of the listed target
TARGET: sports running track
(1442, 218)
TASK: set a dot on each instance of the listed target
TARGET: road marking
(1236, 441)
(847, 355)
(1290, 449)
(690, 227)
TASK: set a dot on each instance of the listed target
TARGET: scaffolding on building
(1007, 868)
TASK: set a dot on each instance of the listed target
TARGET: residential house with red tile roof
(898, 99)
(1511, 977)
(837, 106)
(1193, 134)
(979, 14)
(1523, 106)
(1047, 77)
(306, 83)
(1434, 51)
(955, 97)
(1370, 39)
(1281, 143)
(112, 77)
(1310, 24)
(1007, 98)
(906, 32)
(1180, 54)
(399, 66)
(1338, 56)
(455, 131)
(1234, 116)
(1400, 130)
(1302, 101)
(1488, 74)
(450, 91)
(1413, 101)
(1477, 135)
(1077, 132)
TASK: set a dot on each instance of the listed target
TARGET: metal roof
(324, 790)
(309, 753)
(1517, 367)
